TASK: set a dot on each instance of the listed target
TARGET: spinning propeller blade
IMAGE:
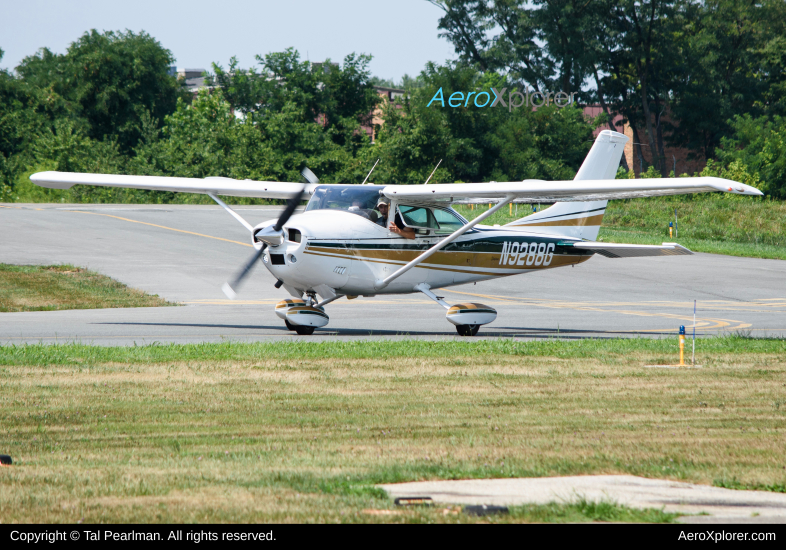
(274, 234)
(292, 204)
(309, 175)
(229, 287)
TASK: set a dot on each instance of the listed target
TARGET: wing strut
(234, 214)
(382, 283)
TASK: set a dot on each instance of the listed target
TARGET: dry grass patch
(305, 440)
(55, 287)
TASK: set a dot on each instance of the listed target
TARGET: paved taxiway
(185, 253)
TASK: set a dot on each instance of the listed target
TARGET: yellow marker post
(682, 346)
(511, 208)
(671, 230)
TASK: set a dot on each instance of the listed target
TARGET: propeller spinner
(272, 235)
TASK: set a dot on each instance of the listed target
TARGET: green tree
(700, 62)
(758, 144)
(477, 144)
(110, 80)
(470, 24)
(339, 98)
(205, 139)
(560, 44)
(19, 120)
(550, 144)
(735, 63)
(69, 150)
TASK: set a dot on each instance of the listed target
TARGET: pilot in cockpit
(396, 226)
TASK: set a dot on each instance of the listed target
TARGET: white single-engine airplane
(343, 245)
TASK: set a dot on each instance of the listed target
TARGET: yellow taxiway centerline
(161, 227)
(19, 207)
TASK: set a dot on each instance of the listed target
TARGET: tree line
(716, 67)
(110, 104)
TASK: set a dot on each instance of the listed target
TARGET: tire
(304, 331)
(467, 330)
(290, 326)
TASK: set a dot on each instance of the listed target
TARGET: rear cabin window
(448, 221)
(441, 221)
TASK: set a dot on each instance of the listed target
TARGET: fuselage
(349, 252)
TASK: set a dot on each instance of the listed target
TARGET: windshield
(353, 198)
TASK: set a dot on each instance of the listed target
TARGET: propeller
(269, 236)
(230, 286)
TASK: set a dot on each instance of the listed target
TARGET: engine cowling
(471, 314)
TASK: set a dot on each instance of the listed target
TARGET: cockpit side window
(414, 216)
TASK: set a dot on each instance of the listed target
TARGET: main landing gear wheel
(290, 326)
(467, 330)
(304, 330)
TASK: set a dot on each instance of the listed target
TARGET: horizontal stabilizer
(617, 250)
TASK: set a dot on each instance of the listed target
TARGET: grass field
(303, 431)
(719, 224)
(53, 287)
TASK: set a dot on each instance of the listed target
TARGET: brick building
(676, 157)
(387, 95)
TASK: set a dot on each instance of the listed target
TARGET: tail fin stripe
(567, 219)
(574, 213)
(574, 222)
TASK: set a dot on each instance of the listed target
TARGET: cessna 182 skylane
(336, 248)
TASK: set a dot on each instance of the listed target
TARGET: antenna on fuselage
(432, 173)
(369, 174)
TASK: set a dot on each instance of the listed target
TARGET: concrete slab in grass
(722, 505)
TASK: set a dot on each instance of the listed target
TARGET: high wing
(215, 186)
(563, 191)
(444, 193)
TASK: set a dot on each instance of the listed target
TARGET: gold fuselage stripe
(470, 261)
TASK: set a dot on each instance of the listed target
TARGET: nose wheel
(467, 330)
(302, 330)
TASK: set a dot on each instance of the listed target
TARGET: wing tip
(50, 180)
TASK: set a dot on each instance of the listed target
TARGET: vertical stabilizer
(581, 219)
